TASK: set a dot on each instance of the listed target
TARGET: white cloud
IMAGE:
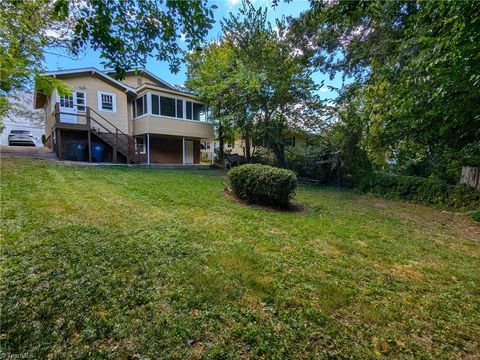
(233, 3)
(324, 90)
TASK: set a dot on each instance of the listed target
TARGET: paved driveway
(37, 152)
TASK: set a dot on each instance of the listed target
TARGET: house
(209, 149)
(141, 119)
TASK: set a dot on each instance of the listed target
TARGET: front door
(68, 110)
(188, 152)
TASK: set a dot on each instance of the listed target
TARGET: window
(198, 112)
(155, 104)
(66, 102)
(208, 145)
(107, 102)
(290, 141)
(230, 145)
(167, 106)
(140, 107)
(140, 144)
(81, 101)
(189, 110)
(180, 109)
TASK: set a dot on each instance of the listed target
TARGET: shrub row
(262, 184)
(428, 191)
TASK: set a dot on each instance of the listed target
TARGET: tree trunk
(279, 152)
(221, 153)
(247, 135)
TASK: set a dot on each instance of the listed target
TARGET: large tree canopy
(418, 64)
(125, 33)
(253, 76)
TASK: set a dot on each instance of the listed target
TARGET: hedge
(428, 191)
(262, 184)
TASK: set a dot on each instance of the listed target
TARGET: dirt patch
(293, 206)
(407, 271)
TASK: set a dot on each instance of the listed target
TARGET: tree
(418, 65)
(125, 32)
(261, 82)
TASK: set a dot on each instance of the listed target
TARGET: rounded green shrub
(262, 184)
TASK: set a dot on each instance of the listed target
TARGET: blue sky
(294, 8)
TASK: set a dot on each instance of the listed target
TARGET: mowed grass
(154, 264)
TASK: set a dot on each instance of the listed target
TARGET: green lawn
(145, 264)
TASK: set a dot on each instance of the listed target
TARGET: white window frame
(66, 100)
(114, 101)
(75, 99)
(144, 151)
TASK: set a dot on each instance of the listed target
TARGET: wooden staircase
(103, 129)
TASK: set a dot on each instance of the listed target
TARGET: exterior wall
(49, 115)
(91, 85)
(170, 150)
(169, 126)
(135, 80)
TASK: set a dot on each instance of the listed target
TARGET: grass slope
(137, 263)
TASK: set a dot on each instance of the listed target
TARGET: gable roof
(105, 76)
(91, 70)
(142, 71)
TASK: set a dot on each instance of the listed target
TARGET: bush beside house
(262, 184)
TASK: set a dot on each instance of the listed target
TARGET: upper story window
(80, 101)
(66, 101)
(189, 110)
(76, 101)
(107, 102)
(170, 107)
(208, 145)
(180, 109)
(167, 106)
(140, 106)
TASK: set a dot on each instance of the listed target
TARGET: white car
(21, 137)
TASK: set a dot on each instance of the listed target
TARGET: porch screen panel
(189, 110)
(155, 105)
(167, 106)
(180, 109)
(198, 112)
(140, 110)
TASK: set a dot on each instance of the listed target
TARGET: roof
(105, 74)
(148, 73)
(93, 71)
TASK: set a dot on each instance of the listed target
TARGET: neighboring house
(141, 119)
(210, 148)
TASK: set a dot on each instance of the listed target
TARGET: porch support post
(59, 145)
(183, 151)
(89, 144)
(148, 149)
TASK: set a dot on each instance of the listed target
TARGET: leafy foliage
(125, 32)
(262, 184)
(416, 64)
(255, 79)
(428, 191)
